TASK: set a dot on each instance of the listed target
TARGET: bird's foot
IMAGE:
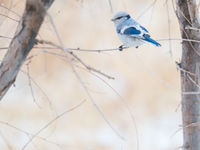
(121, 48)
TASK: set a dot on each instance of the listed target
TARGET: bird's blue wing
(148, 39)
(131, 31)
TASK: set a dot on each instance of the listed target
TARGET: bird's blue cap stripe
(148, 39)
(131, 31)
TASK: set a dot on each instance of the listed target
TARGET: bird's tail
(148, 39)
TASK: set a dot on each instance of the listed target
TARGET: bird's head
(120, 17)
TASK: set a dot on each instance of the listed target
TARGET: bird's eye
(128, 16)
(119, 18)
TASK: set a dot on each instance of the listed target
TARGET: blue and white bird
(131, 33)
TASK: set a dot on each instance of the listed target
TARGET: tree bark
(187, 13)
(23, 42)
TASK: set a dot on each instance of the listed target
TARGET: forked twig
(30, 84)
(76, 57)
(29, 134)
(52, 121)
(81, 82)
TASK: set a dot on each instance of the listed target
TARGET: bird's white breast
(130, 41)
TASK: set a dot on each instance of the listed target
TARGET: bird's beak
(112, 19)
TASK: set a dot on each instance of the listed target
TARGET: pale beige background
(146, 78)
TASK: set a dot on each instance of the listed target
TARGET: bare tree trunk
(22, 42)
(187, 13)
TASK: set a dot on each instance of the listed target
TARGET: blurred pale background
(146, 78)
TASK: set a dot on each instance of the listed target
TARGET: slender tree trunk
(187, 13)
(22, 42)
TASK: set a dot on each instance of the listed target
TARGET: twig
(45, 51)
(6, 141)
(29, 134)
(52, 121)
(76, 49)
(96, 50)
(169, 27)
(30, 84)
(158, 78)
(123, 101)
(4, 48)
(110, 4)
(97, 107)
(6, 37)
(82, 84)
(192, 28)
(176, 39)
(178, 66)
(10, 10)
(193, 81)
(146, 9)
(91, 68)
(195, 124)
(9, 17)
(190, 42)
(38, 86)
(76, 57)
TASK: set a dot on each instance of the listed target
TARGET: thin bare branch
(176, 39)
(192, 28)
(9, 17)
(188, 126)
(178, 66)
(163, 82)
(6, 37)
(82, 83)
(77, 58)
(6, 141)
(145, 10)
(47, 52)
(30, 84)
(191, 44)
(75, 49)
(29, 134)
(193, 81)
(91, 68)
(110, 4)
(10, 10)
(169, 27)
(51, 122)
(38, 86)
(3, 48)
(123, 101)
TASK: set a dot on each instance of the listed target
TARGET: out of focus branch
(89, 68)
(22, 42)
(110, 4)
